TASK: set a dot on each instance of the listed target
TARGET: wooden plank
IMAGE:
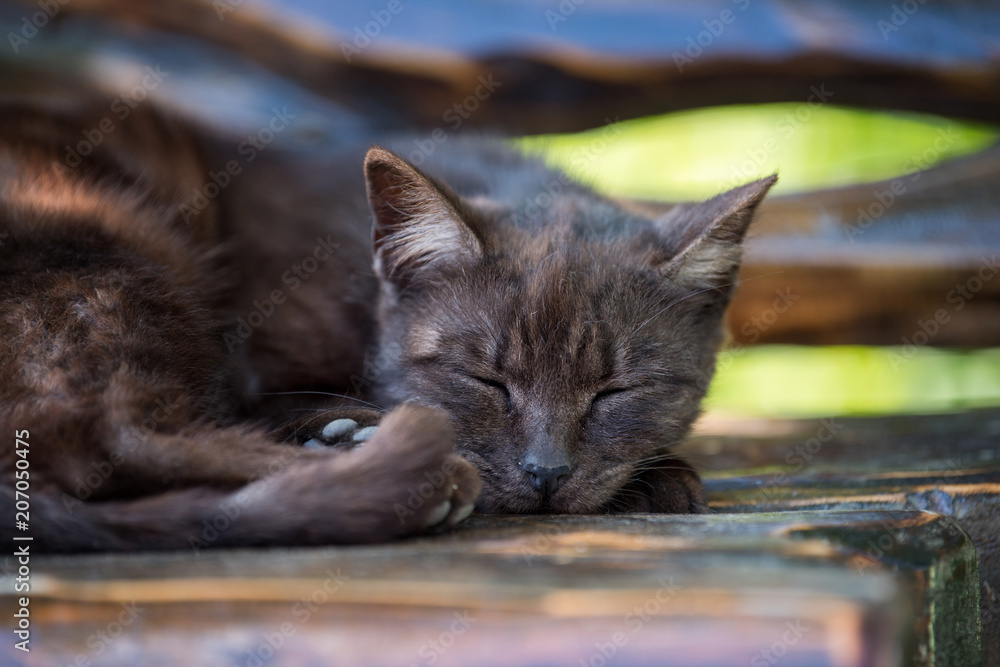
(947, 464)
(645, 590)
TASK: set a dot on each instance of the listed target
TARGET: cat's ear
(706, 238)
(417, 223)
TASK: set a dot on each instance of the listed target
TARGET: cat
(201, 347)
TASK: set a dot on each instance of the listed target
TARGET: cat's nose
(547, 479)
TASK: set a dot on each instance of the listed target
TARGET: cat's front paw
(405, 479)
(343, 432)
(418, 480)
(671, 487)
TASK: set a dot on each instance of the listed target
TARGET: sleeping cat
(199, 345)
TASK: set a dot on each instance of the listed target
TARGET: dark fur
(587, 335)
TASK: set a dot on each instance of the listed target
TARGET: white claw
(440, 514)
(462, 513)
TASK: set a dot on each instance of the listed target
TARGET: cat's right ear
(705, 240)
(418, 224)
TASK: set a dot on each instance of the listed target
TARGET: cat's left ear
(418, 224)
(706, 239)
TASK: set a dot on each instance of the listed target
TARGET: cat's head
(567, 349)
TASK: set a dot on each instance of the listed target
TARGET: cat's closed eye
(498, 387)
(607, 395)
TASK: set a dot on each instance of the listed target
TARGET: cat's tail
(404, 480)
(66, 524)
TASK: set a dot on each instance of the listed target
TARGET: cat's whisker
(620, 502)
(635, 493)
(322, 393)
(658, 462)
(636, 479)
(658, 456)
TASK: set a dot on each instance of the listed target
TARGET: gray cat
(203, 342)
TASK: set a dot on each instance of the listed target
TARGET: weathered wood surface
(645, 590)
(947, 464)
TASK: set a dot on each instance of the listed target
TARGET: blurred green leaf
(794, 381)
(696, 154)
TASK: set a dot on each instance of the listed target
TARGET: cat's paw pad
(343, 433)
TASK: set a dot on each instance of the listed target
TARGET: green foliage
(794, 381)
(696, 154)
